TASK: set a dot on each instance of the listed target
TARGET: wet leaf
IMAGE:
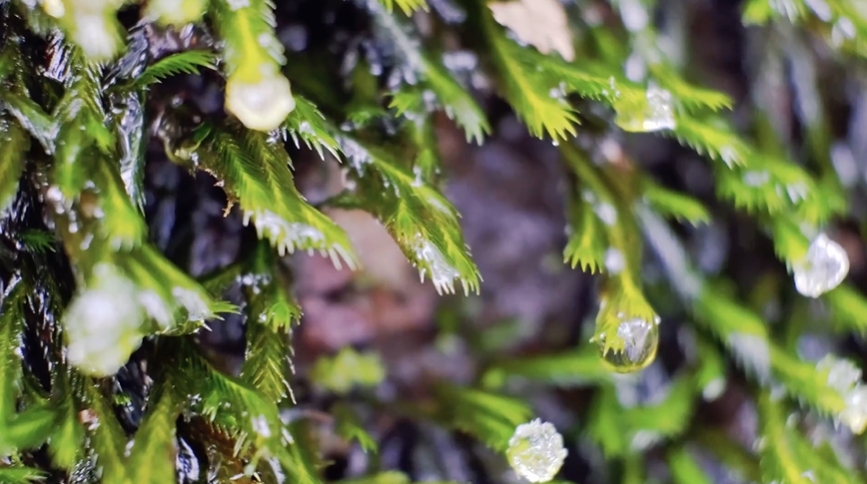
(350, 427)
(255, 173)
(418, 217)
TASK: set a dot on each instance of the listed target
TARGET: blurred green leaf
(489, 417)
(347, 370)
(350, 427)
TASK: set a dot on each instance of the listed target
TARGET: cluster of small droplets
(636, 347)
(845, 377)
(288, 236)
(432, 263)
(536, 451)
(823, 268)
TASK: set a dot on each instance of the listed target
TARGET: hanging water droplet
(823, 268)
(536, 451)
(655, 113)
(262, 105)
(636, 348)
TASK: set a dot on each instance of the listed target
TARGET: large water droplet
(824, 267)
(536, 451)
(263, 105)
(103, 323)
(638, 340)
(656, 113)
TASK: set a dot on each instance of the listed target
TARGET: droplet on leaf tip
(655, 114)
(262, 105)
(822, 269)
(635, 349)
(536, 451)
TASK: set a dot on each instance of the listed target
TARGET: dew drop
(55, 8)
(855, 413)
(824, 267)
(635, 349)
(713, 389)
(614, 261)
(262, 105)
(94, 33)
(260, 426)
(103, 328)
(756, 178)
(536, 451)
(238, 4)
(843, 375)
(173, 12)
(655, 114)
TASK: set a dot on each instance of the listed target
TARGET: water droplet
(197, 308)
(261, 427)
(843, 375)
(635, 67)
(821, 9)
(713, 389)
(261, 105)
(644, 439)
(824, 267)
(753, 352)
(755, 178)
(614, 261)
(55, 8)
(634, 14)
(635, 349)
(606, 213)
(238, 4)
(95, 34)
(855, 413)
(102, 327)
(536, 451)
(656, 113)
(173, 12)
(462, 60)
(431, 262)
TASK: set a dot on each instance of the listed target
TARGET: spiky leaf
(490, 417)
(420, 219)
(255, 173)
(186, 62)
